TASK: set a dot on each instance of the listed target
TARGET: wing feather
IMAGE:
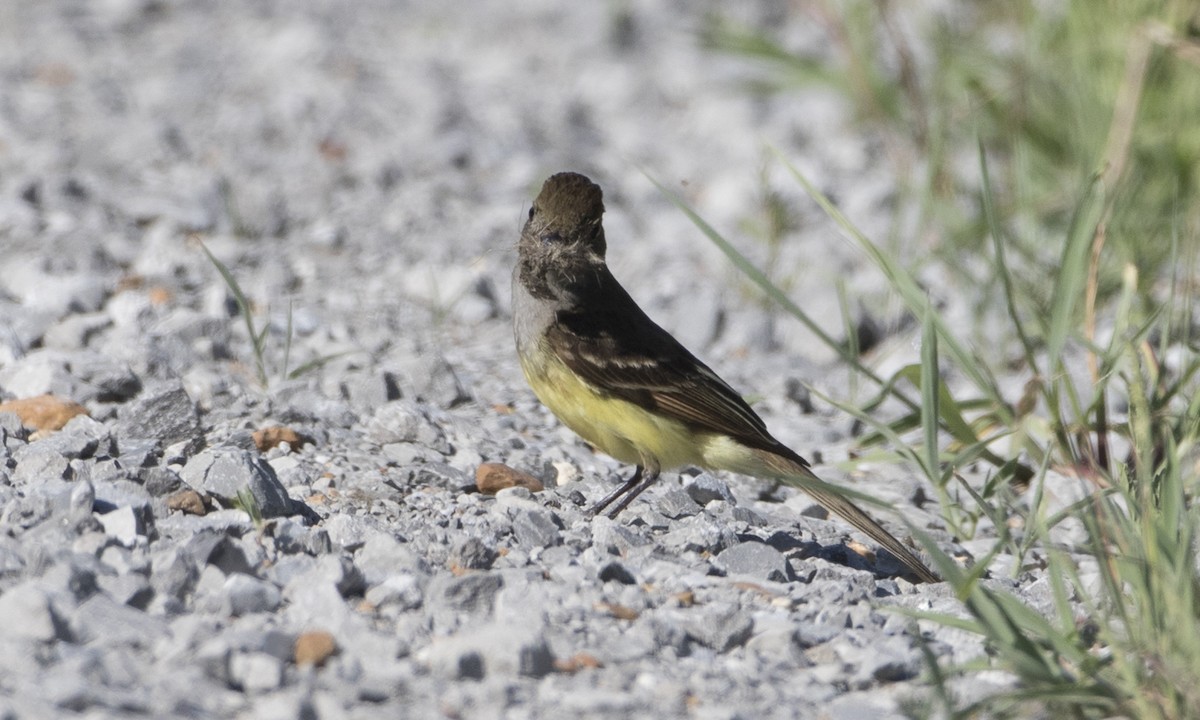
(617, 347)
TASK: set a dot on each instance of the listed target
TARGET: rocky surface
(362, 171)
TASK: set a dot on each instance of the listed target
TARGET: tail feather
(797, 475)
(854, 515)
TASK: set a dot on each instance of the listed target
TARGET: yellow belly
(619, 428)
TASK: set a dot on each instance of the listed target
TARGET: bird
(627, 386)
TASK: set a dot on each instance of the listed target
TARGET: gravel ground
(363, 170)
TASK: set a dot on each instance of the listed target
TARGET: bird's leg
(649, 476)
(612, 496)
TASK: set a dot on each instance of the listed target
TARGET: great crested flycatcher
(626, 385)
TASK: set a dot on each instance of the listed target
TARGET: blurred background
(408, 135)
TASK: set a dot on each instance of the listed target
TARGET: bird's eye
(531, 210)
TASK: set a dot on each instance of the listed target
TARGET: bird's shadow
(837, 554)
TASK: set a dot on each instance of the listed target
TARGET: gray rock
(249, 635)
(721, 630)
(105, 471)
(776, 638)
(59, 292)
(516, 497)
(339, 572)
(756, 559)
(11, 558)
(288, 568)
(115, 493)
(472, 554)
(700, 535)
(668, 631)
(234, 523)
(616, 572)
(404, 422)
(404, 454)
(294, 704)
(33, 505)
(123, 560)
(163, 411)
(255, 672)
(159, 481)
(244, 595)
(568, 573)
(350, 532)
(173, 573)
(291, 537)
(28, 613)
(209, 595)
(290, 470)
(536, 528)
(367, 393)
(314, 602)
(220, 551)
(37, 463)
(495, 649)
(748, 516)
(212, 658)
(457, 661)
(676, 503)
(225, 472)
(860, 706)
(40, 372)
(809, 634)
(448, 597)
(73, 576)
(23, 326)
(399, 592)
(140, 454)
(101, 619)
(440, 474)
(704, 488)
(383, 556)
(534, 658)
(126, 524)
(886, 660)
(130, 589)
(81, 437)
(526, 598)
(611, 537)
(74, 332)
(186, 335)
(432, 379)
(82, 376)
(12, 432)
(103, 379)
(83, 500)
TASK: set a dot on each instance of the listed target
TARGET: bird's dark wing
(615, 346)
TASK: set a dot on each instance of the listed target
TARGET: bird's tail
(797, 474)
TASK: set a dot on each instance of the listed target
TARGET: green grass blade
(759, 278)
(317, 363)
(287, 342)
(998, 239)
(244, 310)
(902, 281)
(882, 428)
(930, 380)
(1073, 270)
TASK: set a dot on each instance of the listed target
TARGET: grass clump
(1053, 93)
(261, 349)
(1078, 233)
